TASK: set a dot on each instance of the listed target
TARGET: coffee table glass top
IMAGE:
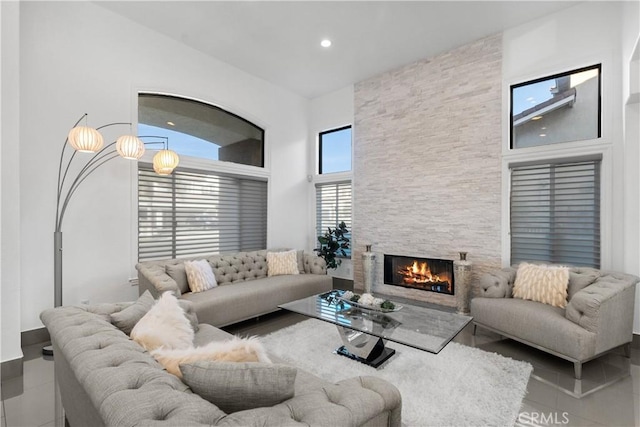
(419, 327)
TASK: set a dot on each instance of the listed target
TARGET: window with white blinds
(333, 205)
(190, 213)
(555, 213)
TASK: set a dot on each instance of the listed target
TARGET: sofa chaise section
(107, 379)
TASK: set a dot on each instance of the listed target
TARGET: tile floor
(610, 387)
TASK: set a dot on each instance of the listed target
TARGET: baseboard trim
(635, 343)
(11, 369)
(34, 336)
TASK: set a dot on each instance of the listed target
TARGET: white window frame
(194, 162)
(345, 270)
(565, 151)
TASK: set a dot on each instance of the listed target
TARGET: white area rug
(460, 386)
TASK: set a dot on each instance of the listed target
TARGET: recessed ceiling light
(325, 43)
(543, 135)
(171, 123)
(536, 118)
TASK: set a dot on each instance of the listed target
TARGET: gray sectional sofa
(244, 291)
(107, 379)
(598, 316)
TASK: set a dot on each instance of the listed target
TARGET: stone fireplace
(427, 274)
(427, 176)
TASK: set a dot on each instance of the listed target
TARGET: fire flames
(420, 273)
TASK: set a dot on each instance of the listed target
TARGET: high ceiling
(279, 41)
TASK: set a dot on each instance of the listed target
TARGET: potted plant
(333, 243)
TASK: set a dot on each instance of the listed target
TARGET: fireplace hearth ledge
(414, 294)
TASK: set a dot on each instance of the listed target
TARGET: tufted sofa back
(111, 380)
(499, 284)
(169, 275)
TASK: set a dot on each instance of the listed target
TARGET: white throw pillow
(280, 263)
(234, 350)
(542, 283)
(200, 275)
(165, 325)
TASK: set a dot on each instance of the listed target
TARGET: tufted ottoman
(244, 289)
(598, 316)
(106, 379)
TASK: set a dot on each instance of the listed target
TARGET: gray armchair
(598, 316)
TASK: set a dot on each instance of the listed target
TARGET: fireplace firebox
(429, 274)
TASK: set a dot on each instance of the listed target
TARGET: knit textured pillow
(280, 263)
(542, 283)
(200, 275)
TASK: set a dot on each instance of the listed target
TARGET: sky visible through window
(529, 95)
(336, 151)
(182, 143)
(525, 97)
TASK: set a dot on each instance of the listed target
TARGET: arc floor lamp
(84, 139)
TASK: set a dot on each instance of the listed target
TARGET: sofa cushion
(178, 273)
(542, 283)
(164, 325)
(235, 387)
(535, 323)
(282, 263)
(219, 306)
(127, 318)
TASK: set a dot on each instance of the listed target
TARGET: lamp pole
(62, 201)
(90, 140)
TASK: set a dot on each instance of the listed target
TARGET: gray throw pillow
(126, 319)
(190, 312)
(300, 256)
(235, 387)
(179, 274)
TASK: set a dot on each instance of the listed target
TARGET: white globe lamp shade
(85, 139)
(165, 161)
(130, 147)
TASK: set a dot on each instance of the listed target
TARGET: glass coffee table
(365, 331)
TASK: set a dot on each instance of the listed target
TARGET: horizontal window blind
(555, 213)
(190, 213)
(333, 205)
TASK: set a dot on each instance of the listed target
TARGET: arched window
(201, 130)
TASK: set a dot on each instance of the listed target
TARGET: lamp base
(47, 350)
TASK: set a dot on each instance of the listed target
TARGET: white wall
(10, 191)
(630, 84)
(330, 111)
(586, 34)
(78, 57)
